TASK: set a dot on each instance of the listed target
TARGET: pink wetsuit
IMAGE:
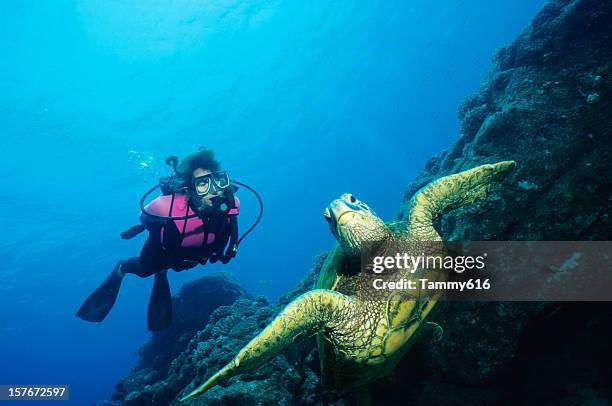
(194, 229)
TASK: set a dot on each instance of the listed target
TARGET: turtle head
(353, 222)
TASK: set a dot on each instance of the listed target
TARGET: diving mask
(202, 184)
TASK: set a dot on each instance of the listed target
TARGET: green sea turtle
(361, 340)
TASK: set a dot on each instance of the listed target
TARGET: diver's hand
(229, 254)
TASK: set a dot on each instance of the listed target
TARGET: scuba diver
(193, 222)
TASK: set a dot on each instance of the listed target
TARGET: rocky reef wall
(546, 104)
(169, 365)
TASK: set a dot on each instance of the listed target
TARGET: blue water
(302, 100)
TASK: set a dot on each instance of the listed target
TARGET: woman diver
(194, 221)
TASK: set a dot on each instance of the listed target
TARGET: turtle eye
(352, 198)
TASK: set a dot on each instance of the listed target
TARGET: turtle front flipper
(450, 193)
(310, 313)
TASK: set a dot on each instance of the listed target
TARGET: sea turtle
(361, 340)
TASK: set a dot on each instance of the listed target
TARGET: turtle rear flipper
(429, 333)
(450, 193)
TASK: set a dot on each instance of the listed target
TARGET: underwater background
(302, 101)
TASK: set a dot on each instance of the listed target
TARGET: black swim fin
(101, 301)
(159, 313)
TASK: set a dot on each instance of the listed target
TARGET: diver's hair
(204, 158)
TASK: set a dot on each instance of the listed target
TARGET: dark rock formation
(547, 105)
(192, 308)
(166, 369)
(290, 378)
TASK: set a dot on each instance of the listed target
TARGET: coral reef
(291, 378)
(545, 104)
(192, 308)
